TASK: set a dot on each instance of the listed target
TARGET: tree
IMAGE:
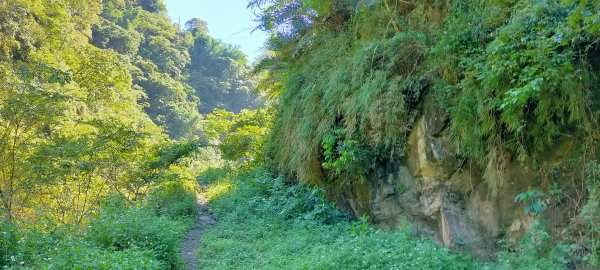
(220, 75)
(196, 26)
(71, 127)
(240, 136)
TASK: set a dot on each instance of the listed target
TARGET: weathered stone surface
(457, 231)
(429, 156)
(483, 209)
(444, 196)
(465, 178)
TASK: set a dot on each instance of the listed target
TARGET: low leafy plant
(64, 248)
(532, 201)
(361, 226)
(174, 200)
(121, 227)
(340, 153)
(8, 241)
(212, 175)
(535, 251)
(74, 253)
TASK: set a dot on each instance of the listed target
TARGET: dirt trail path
(189, 248)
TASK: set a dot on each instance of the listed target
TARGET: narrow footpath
(189, 248)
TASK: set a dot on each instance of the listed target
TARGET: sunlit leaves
(239, 136)
(523, 84)
(71, 128)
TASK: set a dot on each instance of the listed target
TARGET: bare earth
(189, 248)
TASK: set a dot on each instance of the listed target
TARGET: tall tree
(70, 121)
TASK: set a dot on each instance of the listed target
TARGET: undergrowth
(266, 224)
(123, 235)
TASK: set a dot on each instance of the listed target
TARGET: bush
(174, 200)
(34, 247)
(292, 203)
(213, 175)
(64, 249)
(122, 228)
(8, 241)
(74, 253)
(535, 251)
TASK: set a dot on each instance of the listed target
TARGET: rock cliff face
(447, 197)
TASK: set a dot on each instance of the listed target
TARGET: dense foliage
(109, 112)
(85, 87)
(241, 136)
(266, 224)
(88, 178)
(121, 236)
(525, 77)
(71, 122)
(513, 76)
(182, 73)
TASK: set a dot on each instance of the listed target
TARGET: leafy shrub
(121, 227)
(172, 153)
(64, 249)
(342, 154)
(590, 215)
(532, 201)
(535, 251)
(293, 202)
(212, 175)
(74, 253)
(8, 241)
(35, 247)
(122, 236)
(174, 200)
(241, 136)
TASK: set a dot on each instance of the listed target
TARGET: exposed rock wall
(444, 196)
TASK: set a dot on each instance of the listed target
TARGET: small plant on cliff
(590, 213)
(535, 251)
(532, 201)
(340, 154)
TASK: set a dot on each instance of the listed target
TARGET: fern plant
(340, 154)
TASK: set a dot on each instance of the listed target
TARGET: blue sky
(228, 20)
